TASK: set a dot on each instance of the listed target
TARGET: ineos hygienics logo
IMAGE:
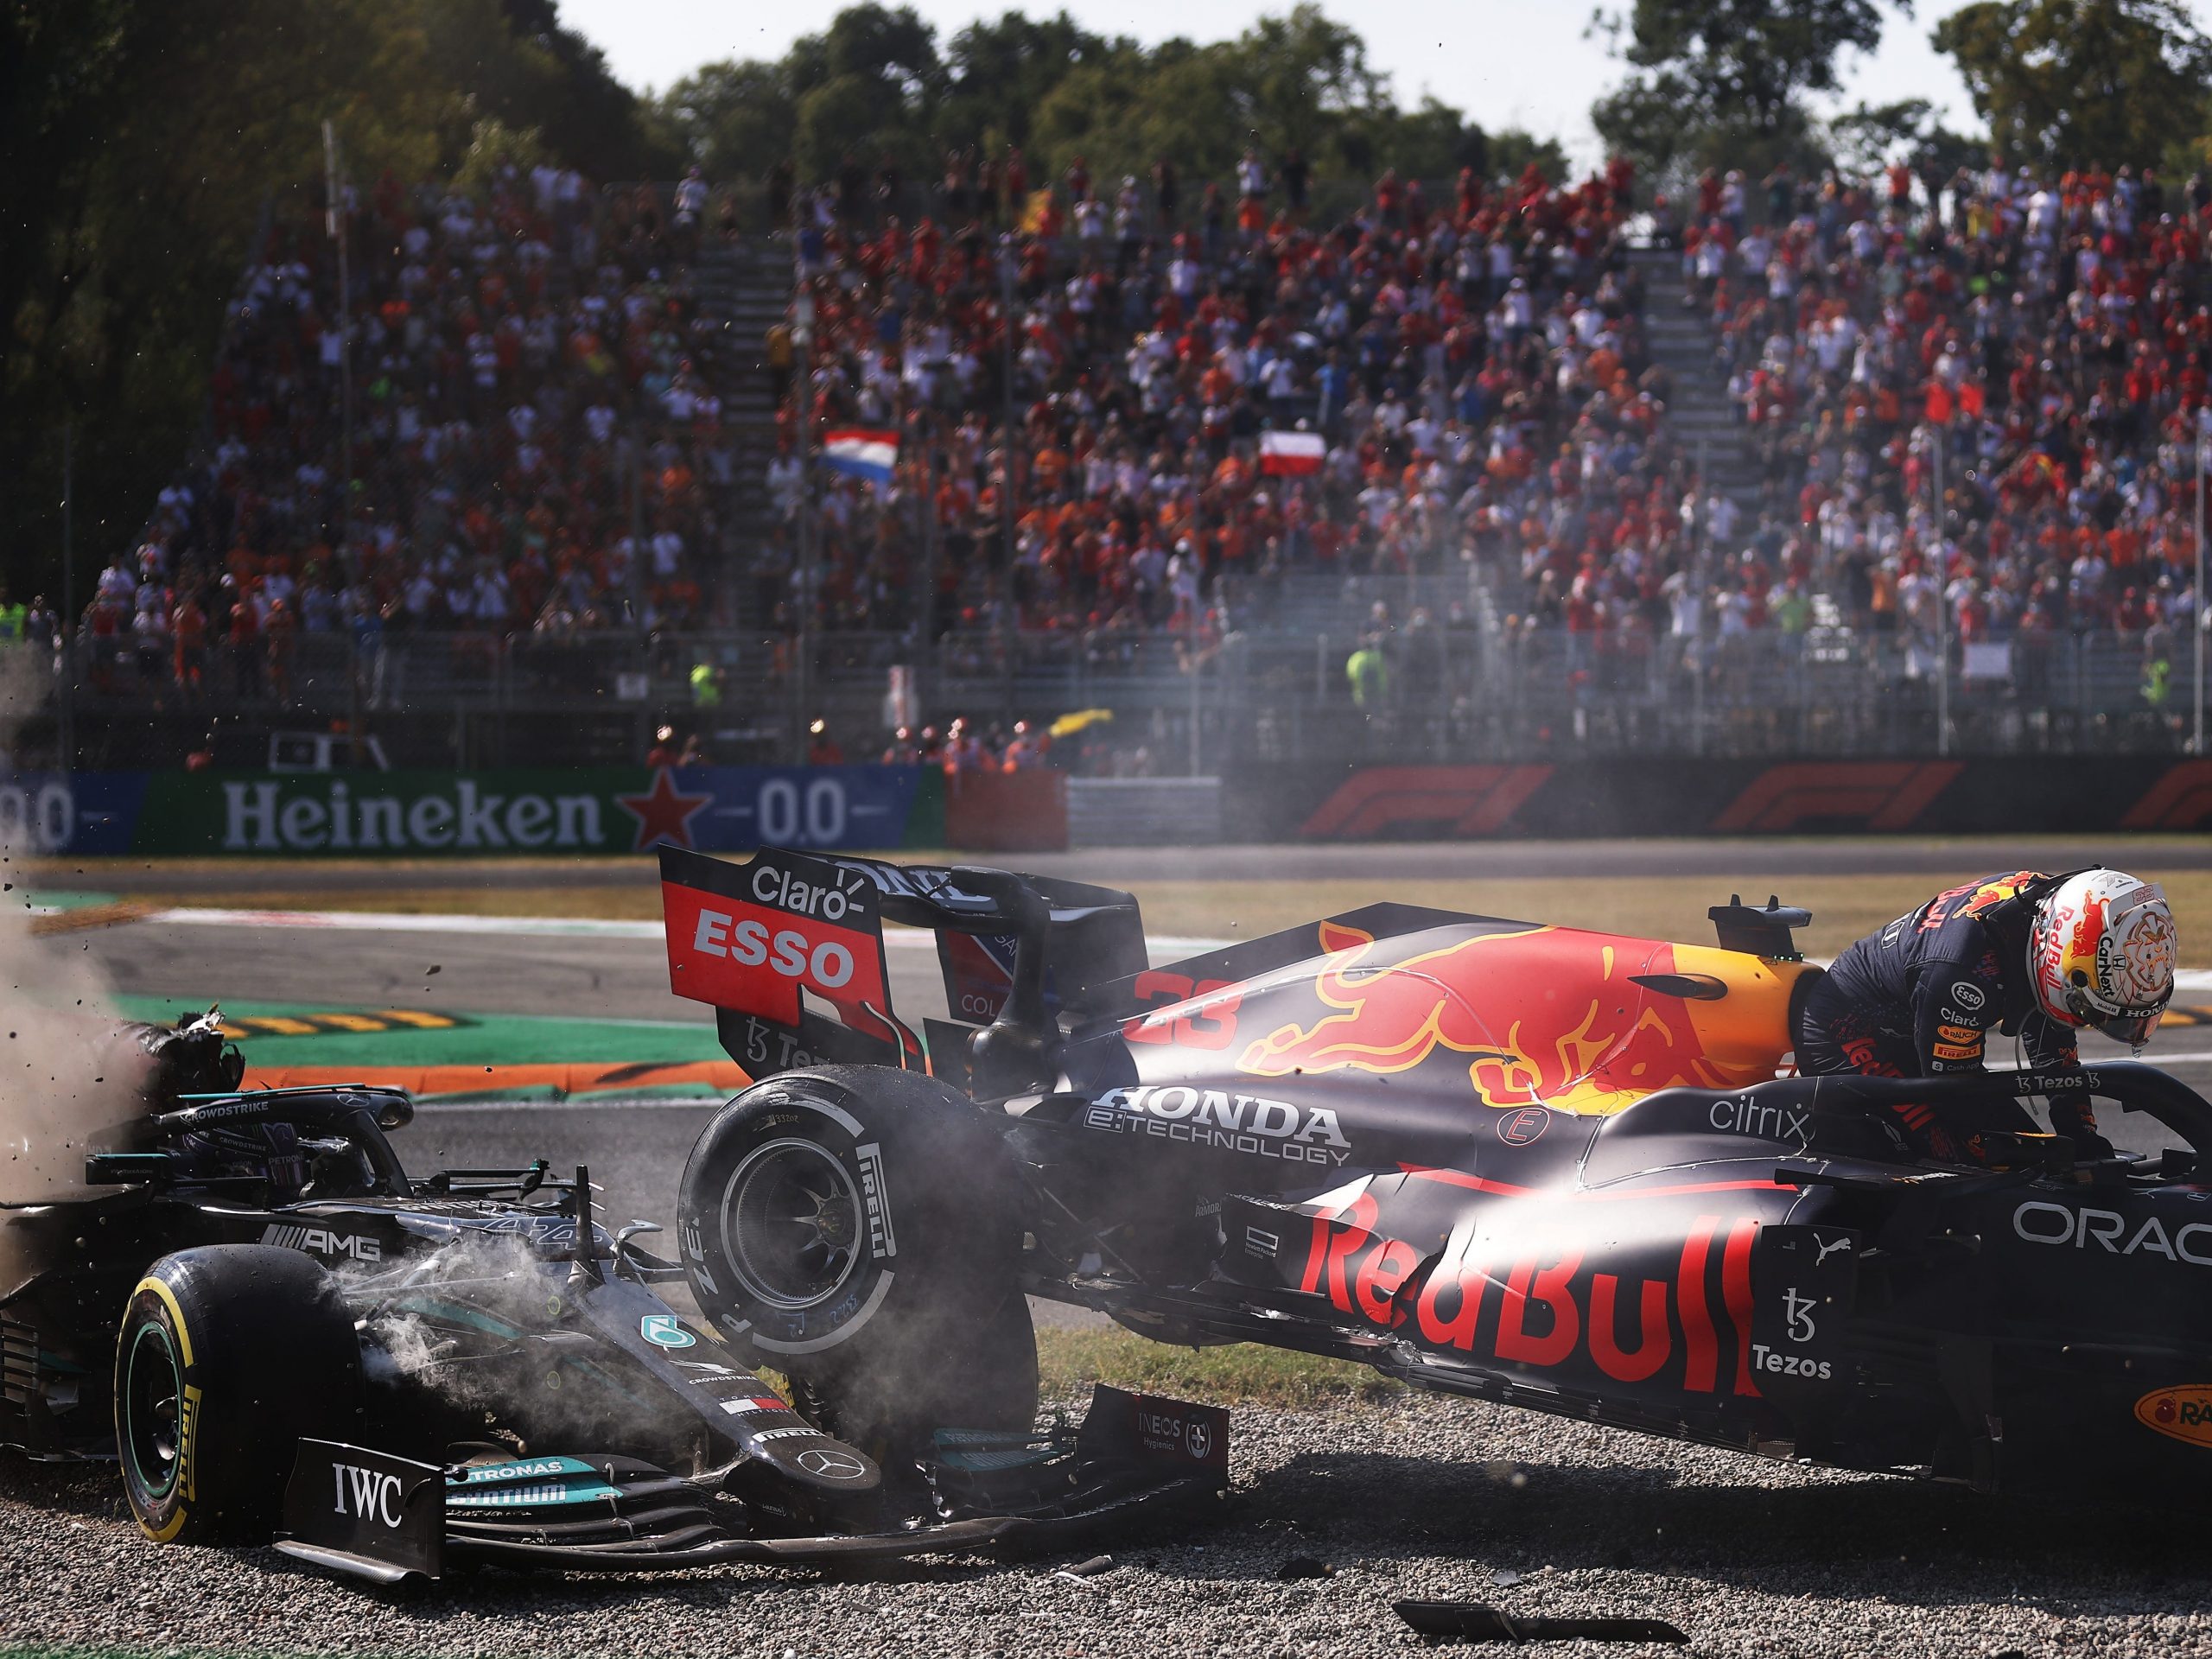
(1199, 1438)
(825, 1463)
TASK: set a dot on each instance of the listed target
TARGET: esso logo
(786, 951)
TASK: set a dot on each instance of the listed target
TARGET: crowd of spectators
(535, 450)
(2036, 347)
(1126, 405)
(1473, 369)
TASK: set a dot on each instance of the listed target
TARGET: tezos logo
(665, 1331)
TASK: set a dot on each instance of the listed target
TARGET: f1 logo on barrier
(1455, 800)
(2181, 800)
(1873, 795)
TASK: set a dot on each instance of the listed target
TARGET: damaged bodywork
(392, 1373)
(1564, 1170)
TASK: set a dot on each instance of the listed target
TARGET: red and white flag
(1291, 454)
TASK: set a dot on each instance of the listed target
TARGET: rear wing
(788, 948)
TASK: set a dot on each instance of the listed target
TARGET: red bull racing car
(1550, 1168)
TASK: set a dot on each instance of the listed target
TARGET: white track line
(1170, 945)
(564, 927)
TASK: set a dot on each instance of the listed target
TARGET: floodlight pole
(67, 733)
(1943, 615)
(333, 221)
(1008, 617)
(803, 338)
(2196, 612)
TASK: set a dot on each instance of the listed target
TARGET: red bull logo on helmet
(1544, 1015)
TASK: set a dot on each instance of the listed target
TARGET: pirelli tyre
(227, 1357)
(858, 1230)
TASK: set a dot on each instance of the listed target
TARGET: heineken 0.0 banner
(429, 814)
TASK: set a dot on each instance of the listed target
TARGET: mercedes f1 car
(254, 1309)
(1554, 1168)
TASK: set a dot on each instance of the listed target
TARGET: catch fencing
(1181, 705)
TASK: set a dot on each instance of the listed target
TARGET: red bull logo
(1527, 1304)
(1545, 1015)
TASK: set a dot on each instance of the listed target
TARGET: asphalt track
(1383, 862)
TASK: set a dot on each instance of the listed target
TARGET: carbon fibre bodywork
(1560, 1169)
(514, 1354)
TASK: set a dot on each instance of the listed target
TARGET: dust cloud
(71, 1070)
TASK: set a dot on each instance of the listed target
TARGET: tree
(143, 141)
(1727, 79)
(1870, 137)
(2068, 82)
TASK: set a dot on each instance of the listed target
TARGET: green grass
(1241, 1374)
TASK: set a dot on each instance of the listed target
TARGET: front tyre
(227, 1356)
(858, 1228)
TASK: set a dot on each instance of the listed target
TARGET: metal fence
(1278, 693)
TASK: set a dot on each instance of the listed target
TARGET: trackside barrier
(1910, 795)
(1006, 811)
(1144, 811)
(859, 809)
(419, 814)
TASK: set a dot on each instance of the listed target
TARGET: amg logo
(321, 1241)
(881, 1239)
(375, 1494)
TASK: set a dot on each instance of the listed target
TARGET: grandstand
(1593, 471)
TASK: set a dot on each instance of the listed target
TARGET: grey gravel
(1418, 1498)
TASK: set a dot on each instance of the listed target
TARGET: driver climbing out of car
(2039, 957)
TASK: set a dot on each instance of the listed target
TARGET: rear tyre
(228, 1355)
(858, 1230)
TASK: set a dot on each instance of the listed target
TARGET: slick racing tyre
(859, 1228)
(227, 1357)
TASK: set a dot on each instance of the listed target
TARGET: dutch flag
(864, 454)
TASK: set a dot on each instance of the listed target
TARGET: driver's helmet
(2101, 952)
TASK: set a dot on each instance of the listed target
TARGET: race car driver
(2036, 956)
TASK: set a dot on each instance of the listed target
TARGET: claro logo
(2040, 1222)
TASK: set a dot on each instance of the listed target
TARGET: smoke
(69, 1068)
(550, 1406)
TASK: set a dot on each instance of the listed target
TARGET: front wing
(369, 1515)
